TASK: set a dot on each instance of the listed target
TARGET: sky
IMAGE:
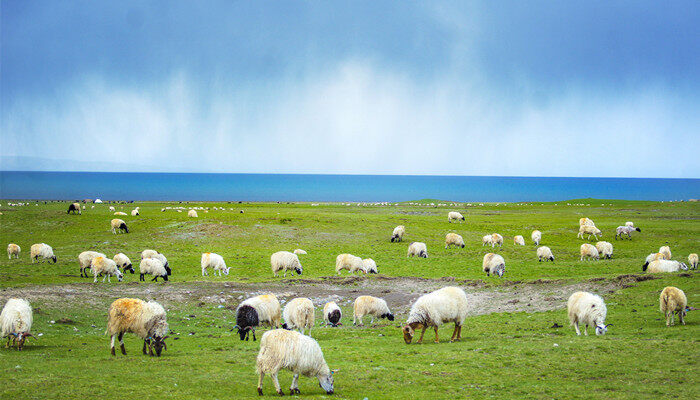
(507, 88)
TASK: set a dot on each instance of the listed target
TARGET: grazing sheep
(349, 262)
(397, 234)
(283, 261)
(192, 214)
(152, 266)
(332, 314)
(519, 240)
(104, 266)
(544, 253)
(536, 237)
(652, 257)
(454, 215)
(263, 309)
(496, 239)
(486, 239)
(85, 260)
(293, 351)
(372, 306)
(630, 224)
(299, 314)
(120, 213)
(154, 254)
(417, 249)
(589, 251)
(448, 304)
(123, 262)
(585, 221)
(299, 252)
(369, 266)
(673, 301)
(605, 249)
(146, 320)
(665, 266)
(134, 213)
(692, 260)
(453, 239)
(13, 250)
(75, 208)
(589, 230)
(16, 322)
(119, 225)
(215, 262)
(587, 309)
(42, 250)
(494, 264)
(666, 251)
(111, 209)
(625, 230)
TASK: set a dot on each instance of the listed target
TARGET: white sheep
(299, 314)
(192, 214)
(693, 260)
(42, 250)
(589, 251)
(630, 224)
(651, 257)
(16, 322)
(589, 230)
(453, 239)
(146, 320)
(397, 234)
(625, 230)
(666, 251)
(372, 306)
(448, 304)
(75, 208)
(454, 216)
(587, 309)
(263, 309)
(295, 352)
(494, 264)
(349, 262)
(215, 262)
(120, 213)
(605, 249)
(299, 252)
(496, 239)
(85, 260)
(486, 240)
(123, 262)
(519, 240)
(148, 253)
(119, 225)
(104, 266)
(111, 209)
(536, 237)
(665, 266)
(673, 301)
(544, 253)
(13, 250)
(134, 213)
(585, 221)
(152, 266)
(418, 249)
(370, 266)
(332, 314)
(283, 261)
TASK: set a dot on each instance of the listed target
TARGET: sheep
(16, 322)
(666, 251)
(651, 257)
(299, 314)
(146, 320)
(332, 314)
(454, 215)
(605, 249)
(453, 239)
(692, 260)
(283, 261)
(448, 304)
(585, 221)
(589, 230)
(494, 264)
(192, 214)
(119, 225)
(545, 253)
(372, 306)
(665, 266)
(397, 234)
(587, 309)
(589, 251)
(299, 252)
(293, 351)
(103, 265)
(13, 250)
(673, 301)
(519, 240)
(496, 239)
(263, 309)
(625, 230)
(369, 266)
(486, 240)
(120, 213)
(536, 237)
(630, 224)
(85, 261)
(123, 262)
(75, 208)
(134, 213)
(349, 262)
(215, 262)
(417, 249)
(154, 254)
(152, 266)
(111, 209)
(42, 250)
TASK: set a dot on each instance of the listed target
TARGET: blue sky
(455, 88)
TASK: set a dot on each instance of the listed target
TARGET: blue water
(369, 188)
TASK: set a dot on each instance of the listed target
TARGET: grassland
(521, 348)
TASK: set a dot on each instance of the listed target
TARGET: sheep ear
(333, 371)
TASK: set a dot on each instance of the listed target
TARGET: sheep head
(326, 382)
(409, 330)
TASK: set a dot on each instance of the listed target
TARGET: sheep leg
(420, 340)
(680, 317)
(141, 278)
(121, 343)
(459, 333)
(585, 329)
(95, 280)
(294, 389)
(437, 339)
(155, 279)
(273, 375)
(144, 346)
(260, 381)
(454, 334)
(578, 332)
(112, 345)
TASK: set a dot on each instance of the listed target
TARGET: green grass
(502, 355)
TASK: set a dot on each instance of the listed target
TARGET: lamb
(369, 266)
(589, 251)
(154, 254)
(589, 230)
(111, 209)
(102, 265)
(215, 262)
(16, 322)
(134, 213)
(75, 208)
(417, 249)
(192, 214)
(120, 213)
(299, 314)
(544, 253)
(587, 309)
(519, 240)
(263, 309)
(454, 215)
(397, 234)
(146, 320)
(299, 252)
(665, 266)
(692, 260)
(332, 314)
(625, 230)
(448, 304)
(494, 264)
(123, 262)
(293, 351)
(486, 239)
(666, 251)
(453, 239)
(372, 306)
(673, 301)
(42, 250)
(605, 249)
(536, 237)
(13, 250)
(85, 261)
(496, 239)
(283, 261)
(119, 225)
(349, 262)
(585, 221)
(152, 266)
